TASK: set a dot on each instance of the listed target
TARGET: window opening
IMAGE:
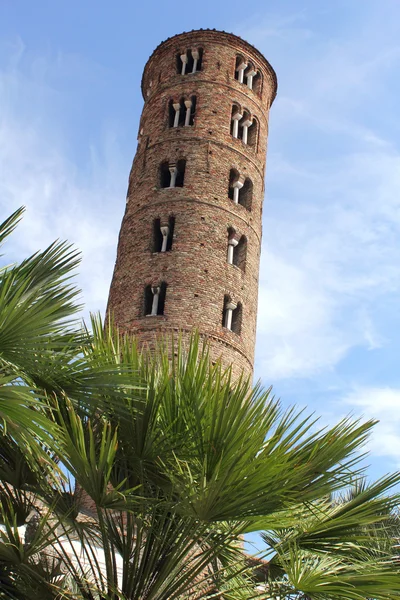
(236, 324)
(190, 61)
(249, 75)
(233, 178)
(180, 175)
(157, 236)
(154, 299)
(235, 118)
(244, 125)
(239, 253)
(252, 133)
(165, 175)
(246, 194)
(240, 67)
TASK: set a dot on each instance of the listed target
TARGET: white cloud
(382, 403)
(35, 171)
(331, 256)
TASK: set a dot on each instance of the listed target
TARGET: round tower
(189, 246)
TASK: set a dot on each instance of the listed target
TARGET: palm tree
(340, 546)
(172, 460)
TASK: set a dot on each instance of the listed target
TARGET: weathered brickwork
(195, 269)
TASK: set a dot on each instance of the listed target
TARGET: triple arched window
(248, 74)
(244, 126)
(189, 61)
(181, 113)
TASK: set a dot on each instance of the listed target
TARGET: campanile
(190, 241)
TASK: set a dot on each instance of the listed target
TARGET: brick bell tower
(189, 246)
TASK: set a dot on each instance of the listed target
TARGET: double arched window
(172, 174)
(232, 315)
(237, 249)
(154, 299)
(240, 189)
(163, 234)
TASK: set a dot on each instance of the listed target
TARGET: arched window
(246, 194)
(240, 67)
(163, 235)
(189, 61)
(157, 236)
(232, 243)
(240, 252)
(154, 299)
(236, 116)
(249, 75)
(245, 125)
(257, 83)
(190, 110)
(172, 174)
(171, 113)
(233, 178)
(180, 176)
(237, 319)
(165, 175)
(252, 133)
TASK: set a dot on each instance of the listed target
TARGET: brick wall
(195, 270)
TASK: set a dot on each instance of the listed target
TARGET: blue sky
(329, 322)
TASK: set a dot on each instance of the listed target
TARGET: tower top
(214, 36)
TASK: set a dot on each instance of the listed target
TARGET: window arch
(190, 61)
(154, 299)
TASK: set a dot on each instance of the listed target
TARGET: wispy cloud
(381, 403)
(331, 252)
(35, 171)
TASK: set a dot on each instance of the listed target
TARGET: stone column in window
(249, 77)
(188, 104)
(156, 295)
(236, 118)
(232, 243)
(165, 233)
(246, 124)
(173, 169)
(196, 56)
(237, 186)
(184, 59)
(229, 308)
(241, 69)
(177, 108)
